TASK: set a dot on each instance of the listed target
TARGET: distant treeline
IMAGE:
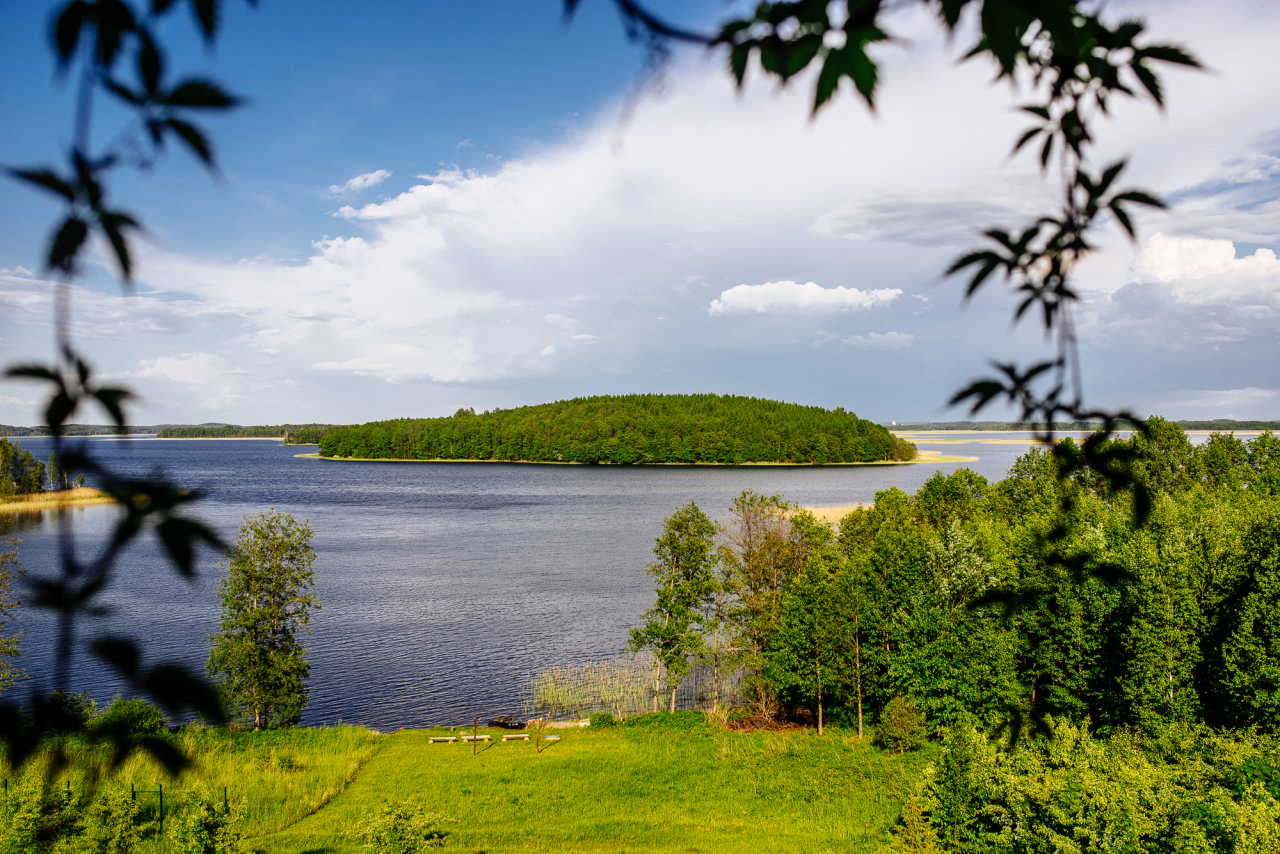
(1221, 424)
(77, 430)
(293, 434)
(630, 429)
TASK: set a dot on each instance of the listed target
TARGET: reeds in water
(623, 687)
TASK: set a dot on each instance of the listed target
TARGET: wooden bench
(551, 738)
(475, 738)
(441, 738)
(523, 736)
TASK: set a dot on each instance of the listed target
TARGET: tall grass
(623, 687)
(282, 775)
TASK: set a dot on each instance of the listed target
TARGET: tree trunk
(673, 697)
(818, 662)
(857, 669)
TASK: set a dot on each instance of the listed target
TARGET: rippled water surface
(444, 584)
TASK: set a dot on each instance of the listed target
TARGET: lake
(445, 585)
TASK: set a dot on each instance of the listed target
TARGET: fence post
(226, 805)
(161, 812)
(475, 729)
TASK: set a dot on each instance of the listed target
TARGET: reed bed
(624, 687)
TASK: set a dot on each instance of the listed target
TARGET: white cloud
(361, 182)
(786, 297)
(465, 277)
(880, 339)
(208, 378)
(1172, 259)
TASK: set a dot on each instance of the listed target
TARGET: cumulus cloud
(361, 182)
(1202, 270)
(786, 297)
(466, 277)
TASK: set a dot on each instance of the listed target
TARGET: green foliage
(20, 472)
(1178, 789)
(10, 644)
(134, 716)
(686, 580)
(669, 722)
(206, 827)
(915, 835)
(69, 713)
(630, 429)
(902, 726)
(604, 720)
(293, 434)
(36, 813)
(111, 824)
(403, 827)
(257, 658)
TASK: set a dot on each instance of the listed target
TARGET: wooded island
(634, 429)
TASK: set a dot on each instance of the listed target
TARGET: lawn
(665, 783)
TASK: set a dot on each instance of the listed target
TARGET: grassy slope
(642, 789)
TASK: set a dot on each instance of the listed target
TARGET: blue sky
(434, 205)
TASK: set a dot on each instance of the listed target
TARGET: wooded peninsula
(636, 429)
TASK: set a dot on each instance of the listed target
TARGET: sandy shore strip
(52, 500)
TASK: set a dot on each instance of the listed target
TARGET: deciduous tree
(257, 659)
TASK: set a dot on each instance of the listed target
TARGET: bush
(840, 717)
(403, 827)
(134, 716)
(110, 825)
(206, 828)
(36, 814)
(669, 722)
(902, 726)
(69, 713)
(604, 720)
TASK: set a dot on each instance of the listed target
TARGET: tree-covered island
(634, 429)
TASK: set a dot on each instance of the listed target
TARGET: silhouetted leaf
(46, 178)
(121, 653)
(197, 93)
(194, 139)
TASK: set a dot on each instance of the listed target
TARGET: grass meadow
(664, 783)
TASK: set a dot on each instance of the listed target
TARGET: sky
(430, 205)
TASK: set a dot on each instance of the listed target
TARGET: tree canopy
(630, 429)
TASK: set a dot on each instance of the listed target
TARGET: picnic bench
(475, 738)
(441, 738)
(522, 736)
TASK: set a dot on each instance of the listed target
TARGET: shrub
(110, 825)
(36, 814)
(403, 827)
(604, 720)
(668, 722)
(68, 713)
(206, 828)
(134, 716)
(902, 726)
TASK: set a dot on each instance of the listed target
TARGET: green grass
(666, 783)
(283, 775)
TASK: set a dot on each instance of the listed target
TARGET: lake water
(444, 584)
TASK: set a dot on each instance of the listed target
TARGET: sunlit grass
(663, 784)
(282, 775)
